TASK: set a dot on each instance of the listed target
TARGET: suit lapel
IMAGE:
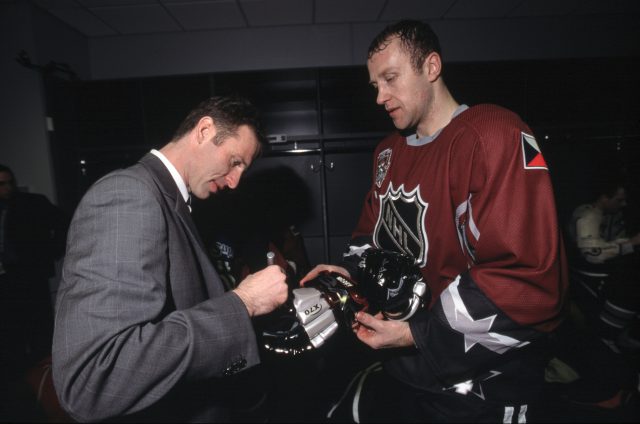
(171, 192)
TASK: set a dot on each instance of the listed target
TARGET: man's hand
(323, 267)
(379, 333)
(263, 291)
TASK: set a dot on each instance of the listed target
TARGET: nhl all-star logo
(531, 154)
(382, 166)
(400, 224)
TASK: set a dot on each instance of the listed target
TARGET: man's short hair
(416, 37)
(228, 113)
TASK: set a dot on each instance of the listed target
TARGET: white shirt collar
(174, 173)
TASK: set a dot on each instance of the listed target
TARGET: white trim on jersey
(356, 250)
(461, 209)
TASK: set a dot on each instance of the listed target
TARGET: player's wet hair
(417, 38)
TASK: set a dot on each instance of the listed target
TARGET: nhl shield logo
(382, 166)
(401, 223)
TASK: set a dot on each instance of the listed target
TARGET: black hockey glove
(390, 283)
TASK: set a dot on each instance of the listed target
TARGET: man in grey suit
(144, 330)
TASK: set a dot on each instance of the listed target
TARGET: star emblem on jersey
(474, 331)
(400, 224)
(474, 387)
(382, 166)
(531, 153)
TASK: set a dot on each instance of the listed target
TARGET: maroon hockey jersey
(474, 205)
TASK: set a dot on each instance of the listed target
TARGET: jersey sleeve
(512, 292)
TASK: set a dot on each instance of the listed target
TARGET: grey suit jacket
(144, 330)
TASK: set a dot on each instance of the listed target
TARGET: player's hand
(323, 267)
(378, 333)
(263, 291)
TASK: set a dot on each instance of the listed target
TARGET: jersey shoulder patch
(531, 155)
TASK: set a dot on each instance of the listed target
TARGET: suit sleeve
(513, 290)
(119, 344)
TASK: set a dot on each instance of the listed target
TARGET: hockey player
(605, 265)
(467, 193)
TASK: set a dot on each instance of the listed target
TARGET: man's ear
(205, 129)
(432, 66)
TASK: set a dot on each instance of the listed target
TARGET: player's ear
(432, 66)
